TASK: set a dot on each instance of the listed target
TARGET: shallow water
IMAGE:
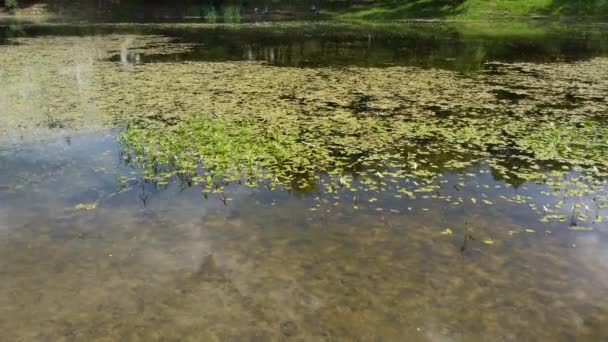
(482, 237)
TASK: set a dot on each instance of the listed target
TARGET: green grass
(477, 9)
(481, 9)
(404, 9)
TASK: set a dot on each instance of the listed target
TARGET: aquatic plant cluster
(358, 151)
(354, 133)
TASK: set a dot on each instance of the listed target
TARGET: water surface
(425, 184)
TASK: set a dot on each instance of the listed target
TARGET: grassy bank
(478, 9)
(283, 9)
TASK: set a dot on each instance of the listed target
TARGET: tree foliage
(11, 5)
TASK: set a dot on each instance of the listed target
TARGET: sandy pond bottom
(92, 251)
(81, 259)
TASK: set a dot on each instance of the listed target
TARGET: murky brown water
(90, 251)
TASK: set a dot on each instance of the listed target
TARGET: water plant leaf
(86, 206)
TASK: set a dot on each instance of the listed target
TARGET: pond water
(306, 182)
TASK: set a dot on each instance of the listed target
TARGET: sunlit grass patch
(476, 9)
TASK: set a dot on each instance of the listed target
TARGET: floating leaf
(582, 228)
(86, 206)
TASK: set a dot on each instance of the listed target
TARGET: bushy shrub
(232, 14)
(11, 5)
(209, 14)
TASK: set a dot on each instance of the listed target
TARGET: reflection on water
(451, 46)
(91, 249)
